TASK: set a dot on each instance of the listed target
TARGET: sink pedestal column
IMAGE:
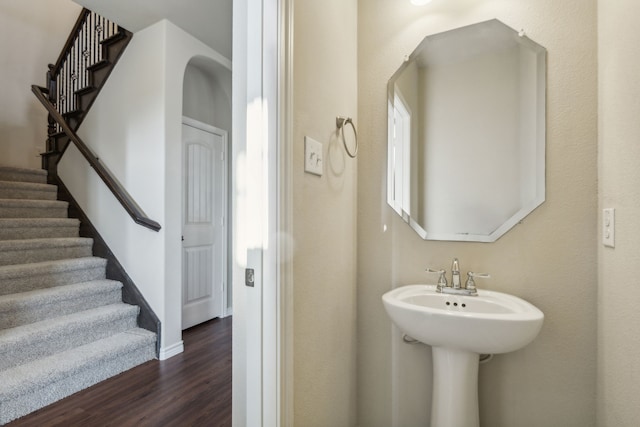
(455, 388)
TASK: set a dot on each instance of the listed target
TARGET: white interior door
(204, 236)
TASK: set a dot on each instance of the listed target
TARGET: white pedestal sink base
(455, 388)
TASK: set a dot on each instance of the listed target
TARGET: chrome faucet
(455, 274)
(456, 285)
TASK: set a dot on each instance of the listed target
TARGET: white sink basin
(459, 328)
(492, 322)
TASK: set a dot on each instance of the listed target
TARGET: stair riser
(30, 314)
(27, 194)
(86, 99)
(30, 283)
(31, 212)
(98, 76)
(18, 233)
(44, 254)
(112, 50)
(16, 176)
(38, 346)
(37, 398)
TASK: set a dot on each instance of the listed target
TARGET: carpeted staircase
(63, 326)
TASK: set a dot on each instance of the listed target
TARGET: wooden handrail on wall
(125, 199)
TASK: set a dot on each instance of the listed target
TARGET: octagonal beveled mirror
(466, 133)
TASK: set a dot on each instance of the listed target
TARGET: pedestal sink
(460, 328)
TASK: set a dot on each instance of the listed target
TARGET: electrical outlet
(609, 227)
(313, 162)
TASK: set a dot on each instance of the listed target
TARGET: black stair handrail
(125, 199)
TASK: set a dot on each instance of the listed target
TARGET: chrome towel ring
(341, 122)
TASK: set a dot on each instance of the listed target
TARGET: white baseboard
(172, 350)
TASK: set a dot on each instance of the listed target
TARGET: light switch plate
(609, 227)
(313, 161)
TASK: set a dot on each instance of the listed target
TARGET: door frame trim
(285, 359)
(262, 103)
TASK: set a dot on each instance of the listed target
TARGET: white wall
(135, 128)
(207, 96)
(549, 259)
(619, 188)
(32, 34)
(324, 209)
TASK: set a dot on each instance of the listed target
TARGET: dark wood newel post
(51, 122)
(50, 144)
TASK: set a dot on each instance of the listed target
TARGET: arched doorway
(206, 125)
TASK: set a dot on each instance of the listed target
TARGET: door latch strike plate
(249, 277)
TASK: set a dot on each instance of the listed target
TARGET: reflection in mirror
(466, 135)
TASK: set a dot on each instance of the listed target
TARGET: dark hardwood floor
(190, 389)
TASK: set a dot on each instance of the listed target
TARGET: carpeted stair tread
(43, 371)
(47, 267)
(36, 340)
(26, 244)
(22, 208)
(41, 304)
(47, 274)
(33, 385)
(10, 173)
(27, 190)
(34, 228)
(36, 250)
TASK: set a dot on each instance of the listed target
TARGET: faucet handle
(471, 284)
(442, 281)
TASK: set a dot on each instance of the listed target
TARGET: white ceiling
(207, 20)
